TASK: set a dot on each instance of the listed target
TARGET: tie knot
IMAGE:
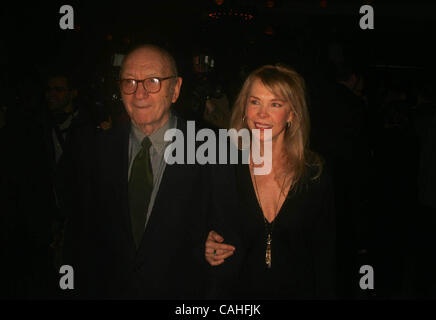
(146, 143)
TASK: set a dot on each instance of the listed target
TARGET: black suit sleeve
(223, 219)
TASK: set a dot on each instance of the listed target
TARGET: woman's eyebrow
(274, 99)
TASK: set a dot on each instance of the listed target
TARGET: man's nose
(141, 93)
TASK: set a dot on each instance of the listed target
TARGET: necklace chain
(269, 231)
(260, 201)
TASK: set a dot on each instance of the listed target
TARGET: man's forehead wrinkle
(149, 69)
(152, 67)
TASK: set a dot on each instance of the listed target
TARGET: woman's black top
(303, 239)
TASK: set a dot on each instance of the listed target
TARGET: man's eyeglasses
(151, 85)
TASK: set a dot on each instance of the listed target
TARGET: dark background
(299, 33)
(305, 34)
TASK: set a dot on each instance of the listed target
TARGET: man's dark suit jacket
(169, 263)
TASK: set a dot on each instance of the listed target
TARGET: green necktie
(140, 188)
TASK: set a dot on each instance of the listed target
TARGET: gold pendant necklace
(268, 251)
(269, 231)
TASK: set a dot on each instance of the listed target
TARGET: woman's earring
(243, 118)
(288, 125)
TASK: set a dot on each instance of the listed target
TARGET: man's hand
(216, 251)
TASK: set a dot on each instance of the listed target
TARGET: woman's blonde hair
(288, 84)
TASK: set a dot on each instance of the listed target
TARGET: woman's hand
(216, 251)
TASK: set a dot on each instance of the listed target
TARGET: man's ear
(176, 91)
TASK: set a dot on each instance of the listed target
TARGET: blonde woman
(273, 235)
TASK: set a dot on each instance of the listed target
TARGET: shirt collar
(157, 137)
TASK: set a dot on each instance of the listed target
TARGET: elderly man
(139, 228)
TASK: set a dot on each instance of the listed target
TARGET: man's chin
(142, 121)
